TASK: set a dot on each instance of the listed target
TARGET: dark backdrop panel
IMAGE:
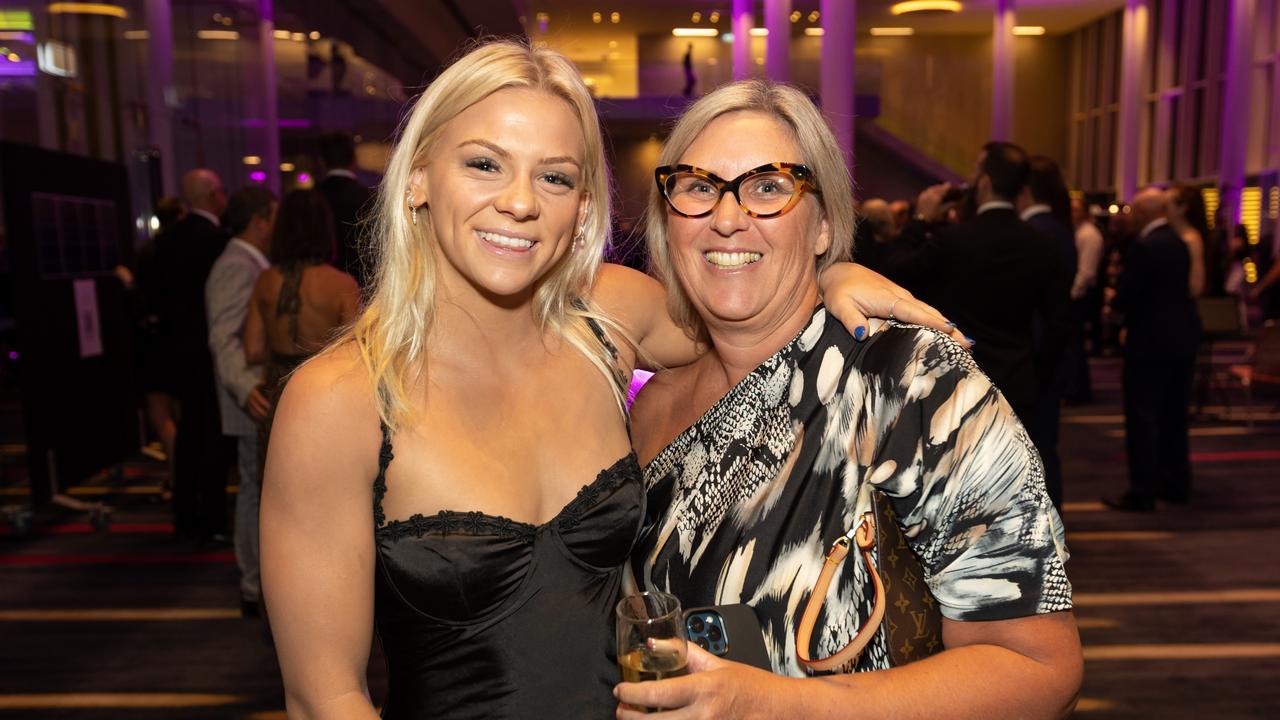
(66, 220)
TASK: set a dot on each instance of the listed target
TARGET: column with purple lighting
(270, 111)
(742, 23)
(839, 45)
(160, 89)
(1135, 35)
(1233, 132)
(777, 54)
(1002, 71)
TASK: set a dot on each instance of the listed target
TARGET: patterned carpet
(1179, 610)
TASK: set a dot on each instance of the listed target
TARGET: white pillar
(270, 115)
(1002, 71)
(1135, 36)
(743, 63)
(160, 90)
(777, 54)
(839, 45)
(1233, 132)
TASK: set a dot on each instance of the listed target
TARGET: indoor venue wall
(91, 97)
(935, 93)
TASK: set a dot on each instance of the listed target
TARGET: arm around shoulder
(317, 540)
(638, 303)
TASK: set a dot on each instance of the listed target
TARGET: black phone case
(744, 642)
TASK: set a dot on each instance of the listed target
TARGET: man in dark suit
(1045, 205)
(183, 258)
(1162, 329)
(992, 275)
(348, 199)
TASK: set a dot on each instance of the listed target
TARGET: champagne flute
(651, 638)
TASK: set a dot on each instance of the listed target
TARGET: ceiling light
(615, 17)
(1028, 30)
(597, 18)
(715, 17)
(911, 6)
(796, 15)
(814, 32)
(760, 32)
(74, 8)
(695, 32)
(315, 35)
(252, 160)
(136, 35)
(218, 35)
(892, 31)
(813, 16)
(696, 17)
(297, 37)
(286, 167)
(280, 34)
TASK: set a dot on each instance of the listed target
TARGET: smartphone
(728, 631)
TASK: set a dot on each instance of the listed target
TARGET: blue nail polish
(970, 340)
(951, 325)
(859, 333)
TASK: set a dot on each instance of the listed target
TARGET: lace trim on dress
(448, 522)
(385, 456)
(609, 479)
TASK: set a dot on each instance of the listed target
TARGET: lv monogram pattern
(744, 504)
(912, 620)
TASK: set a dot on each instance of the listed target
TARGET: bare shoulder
(629, 296)
(326, 419)
(661, 411)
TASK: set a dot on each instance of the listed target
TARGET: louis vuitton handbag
(903, 603)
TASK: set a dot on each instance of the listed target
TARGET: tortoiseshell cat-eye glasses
(763, 192)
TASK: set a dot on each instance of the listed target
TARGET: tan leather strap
(865, 536)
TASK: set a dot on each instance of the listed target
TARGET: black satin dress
(485, 617)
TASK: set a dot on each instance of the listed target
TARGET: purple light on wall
(13, 354)
(638, 379)
(295, 123)
(22, 68)
(304, 178)
(258, 176)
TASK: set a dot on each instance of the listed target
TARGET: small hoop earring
(577, 238)
(413, 214)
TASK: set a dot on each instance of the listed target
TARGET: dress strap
(385, 456)
(289, 303)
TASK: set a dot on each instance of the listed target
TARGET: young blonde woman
(456, 471)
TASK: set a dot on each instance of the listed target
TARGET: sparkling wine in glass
(651, 638)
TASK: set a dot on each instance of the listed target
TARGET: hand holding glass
(651, 637)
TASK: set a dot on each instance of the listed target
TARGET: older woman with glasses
(777, 443)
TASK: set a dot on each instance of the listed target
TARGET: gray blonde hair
(391, 331)
(821, 153)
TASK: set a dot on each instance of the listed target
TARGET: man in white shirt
(251, 220)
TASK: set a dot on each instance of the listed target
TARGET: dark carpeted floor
(1179, 610)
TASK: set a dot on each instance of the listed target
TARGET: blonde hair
(391, 332)
(821, 153)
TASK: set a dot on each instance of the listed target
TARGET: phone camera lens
(696, 625)
(702, 643)
(713, 632)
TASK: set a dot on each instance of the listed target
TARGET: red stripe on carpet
(87, 529)
(208, 558)
(1235, 456)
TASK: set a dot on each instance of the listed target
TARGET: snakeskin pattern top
(744, 504)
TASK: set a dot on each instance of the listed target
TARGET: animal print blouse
(744, 504)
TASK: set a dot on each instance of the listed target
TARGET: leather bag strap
(864, 535)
